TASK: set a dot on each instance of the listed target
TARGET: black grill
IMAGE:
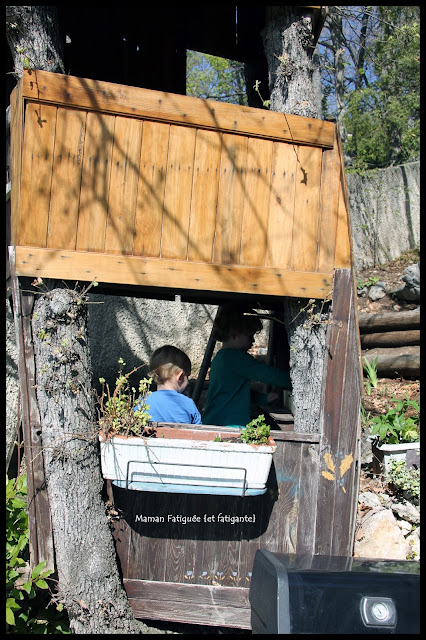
(329, 594)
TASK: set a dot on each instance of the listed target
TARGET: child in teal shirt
(233, 369)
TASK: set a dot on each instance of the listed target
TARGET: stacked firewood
(394, 339)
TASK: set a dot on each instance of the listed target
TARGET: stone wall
(385, 213)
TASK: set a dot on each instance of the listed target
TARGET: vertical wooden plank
(177, 202)
(95, 182)
(16, 139)
(233, 170)
(40, 528)
(256, 202)
(66, 179)
(37, 158)
(281, 206)
(204, 195)
(123, 186)
(306, 517)
(342, 256)
(152, 180)
(306, 209)
(340, 423)
(330, 184)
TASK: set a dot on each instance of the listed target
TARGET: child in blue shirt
(170, 368)
(232, 369)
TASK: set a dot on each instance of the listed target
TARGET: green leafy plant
(400, 424)
(117, 410)
(370, 369)
(27, 603)
(256, 432)
(366, 283)
(405, 480)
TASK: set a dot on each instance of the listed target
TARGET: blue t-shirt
(168, 405)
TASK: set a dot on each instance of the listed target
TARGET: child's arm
(260, 372)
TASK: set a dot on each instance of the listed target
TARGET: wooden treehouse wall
(139, 187)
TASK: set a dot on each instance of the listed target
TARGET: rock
(407, 511)
(380, 537)
(413, 545)
(404, 526)
(377, 291)
(369, 499)
(410, 291)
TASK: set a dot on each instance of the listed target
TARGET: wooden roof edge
(70, 91)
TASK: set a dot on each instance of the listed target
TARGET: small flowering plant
(118, 412)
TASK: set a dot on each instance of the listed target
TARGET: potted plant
(396, 432)
(137, 453)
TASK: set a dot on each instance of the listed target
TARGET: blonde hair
(166, 361)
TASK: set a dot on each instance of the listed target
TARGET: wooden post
(340, 426)
(41, 539)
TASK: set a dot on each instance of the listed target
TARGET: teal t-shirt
(228, 397)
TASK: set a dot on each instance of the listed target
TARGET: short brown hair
(167, 360)
(233, 319)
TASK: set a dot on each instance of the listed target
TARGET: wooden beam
(391, 321)
(197, 604)
(390, 339)
(180, 274)
(395, 362)
(94, 95)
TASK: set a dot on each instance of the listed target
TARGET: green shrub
(27, 596)
(405, 480)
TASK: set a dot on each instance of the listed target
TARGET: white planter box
(183, 462)
(385, 453)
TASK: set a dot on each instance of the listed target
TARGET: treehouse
(154, 194)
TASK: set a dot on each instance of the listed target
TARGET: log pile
(394, 338)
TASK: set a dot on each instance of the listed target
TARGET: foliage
(256, 432)
(367, 283)
(124, 412)
(26, 603)
(405, 480)
(214, 78)
(371, 370)
(383, 116)
(396, 425)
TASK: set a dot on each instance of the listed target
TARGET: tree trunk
(34, 39)
(306, 332)
(294, 88)
(89, 582)
(287, 39)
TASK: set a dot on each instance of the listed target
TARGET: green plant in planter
(396, 426)
(256, 432)
(117, 410)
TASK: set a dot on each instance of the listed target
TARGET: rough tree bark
(34, 39)
(288, 43)
(294, 88)
(89, 583)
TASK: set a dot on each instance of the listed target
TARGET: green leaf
(10, 618)
(42, 584)
(38, 569)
